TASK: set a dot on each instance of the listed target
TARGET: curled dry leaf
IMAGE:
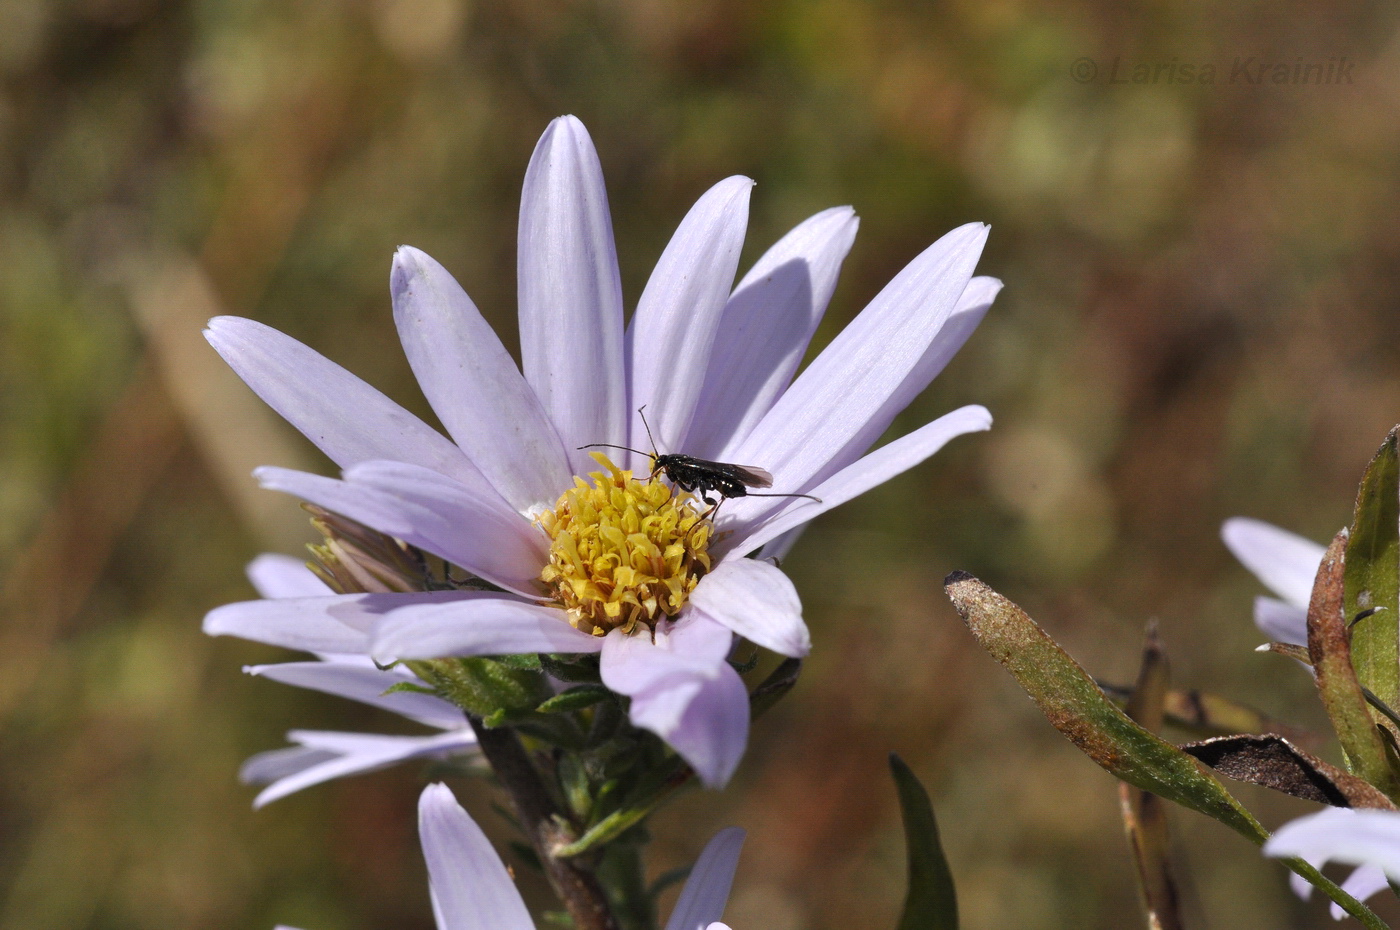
(1274, 762)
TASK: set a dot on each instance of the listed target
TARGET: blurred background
(1199, 321)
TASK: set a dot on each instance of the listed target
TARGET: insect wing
(750, 475)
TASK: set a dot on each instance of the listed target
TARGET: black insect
(691, 474)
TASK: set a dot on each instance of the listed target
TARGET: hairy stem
(580, 890)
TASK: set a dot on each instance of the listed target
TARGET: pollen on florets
(624, 552)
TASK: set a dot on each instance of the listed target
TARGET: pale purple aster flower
(471, 889)
(1287, 564)
(1369, 839)
(714, 368)
(320, 755)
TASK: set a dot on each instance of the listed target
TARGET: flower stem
(579, 889)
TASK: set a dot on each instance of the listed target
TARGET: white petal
(473, 384)
(345, 417)
(1360, 884)
(280, 763)
(366, 684)
(339, 623)
(871, 471)
(758, 602)
(852, 382)
(1282, 623)
(765, 329)
(1285, 562)
(680, 310)
(571, 293)
(478, 532)
(356, 754)
(1354, 837)
(485, 624)
(470, 887)
(706, 892)
(276, 575)
(972, 307)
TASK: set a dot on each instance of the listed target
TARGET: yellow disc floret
(624, 552)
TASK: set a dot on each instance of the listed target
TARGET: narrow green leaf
(641, 803)
(1373, 576)
(931, 902)
(574, 699)
(1077, 708)
(409, 687)
(572, 668)
(1342, 694)
(774, 687)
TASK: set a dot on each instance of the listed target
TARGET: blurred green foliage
(1199, 321)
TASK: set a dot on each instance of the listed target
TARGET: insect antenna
(808, 496)
(608, 445)
(650, 438)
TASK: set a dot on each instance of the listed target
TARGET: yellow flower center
(624, 552)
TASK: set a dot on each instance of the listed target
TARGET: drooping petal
(848, 386)
(765, 329)
(484, 624)
(473, 384)
(705, 720)
(706, 891)
(368, 685)
(680, 310)
(1360, 884)
(571, 293)
(1285, 562)
(275, 575)
(1339, 834)
(684, 691)
(339, 623)
(345, 417)
(757, 601)
(1282, 623)
(871, 471)
(470, 887)
(332, 755)
(478, 532)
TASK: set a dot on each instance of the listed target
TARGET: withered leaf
(1274, 762)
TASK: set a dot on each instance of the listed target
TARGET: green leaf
(409, 687)
(572, 668)
(656, 790)
(1343, 696)
(575, 699)
(931, 902)
(1077, 708)
(775, 687)
(1373, 576)
(484, 687)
